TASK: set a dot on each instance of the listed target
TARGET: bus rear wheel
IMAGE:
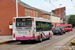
(22, 42)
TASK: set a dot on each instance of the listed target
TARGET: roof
(26, 5)
(62, 8)
(48, 13)
(45, 12)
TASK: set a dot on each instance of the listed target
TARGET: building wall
(60, 11)
(40, 14)
(32, 13)
(55, 20)
(7, 12)
(46, 16)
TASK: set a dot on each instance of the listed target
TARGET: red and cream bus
(31, 28)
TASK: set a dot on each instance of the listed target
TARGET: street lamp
(59, 11)
(16, 8)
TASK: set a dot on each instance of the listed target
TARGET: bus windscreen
(23, 22)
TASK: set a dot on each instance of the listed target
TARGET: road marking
(29, 47)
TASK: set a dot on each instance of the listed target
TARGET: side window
(69, 26)
(38, 26)
(43, 26)
(65, 26)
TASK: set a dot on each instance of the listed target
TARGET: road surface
(55, 43)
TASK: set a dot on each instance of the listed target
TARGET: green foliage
(71, 20)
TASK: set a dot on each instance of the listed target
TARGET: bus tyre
(40, 39)
(49, 37)
(22, 42)
(67, 30)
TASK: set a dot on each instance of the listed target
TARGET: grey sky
(45, 5)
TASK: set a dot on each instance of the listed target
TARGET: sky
(47, 6)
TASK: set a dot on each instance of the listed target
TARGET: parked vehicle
(63, 29)
(31, 28)
(68, 27)
(57, 30)
(52, 29)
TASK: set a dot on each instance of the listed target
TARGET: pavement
(4, 39)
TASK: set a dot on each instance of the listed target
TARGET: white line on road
(29, 47)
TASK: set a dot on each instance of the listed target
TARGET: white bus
(31, 28)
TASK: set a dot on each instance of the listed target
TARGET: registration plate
(56, 31)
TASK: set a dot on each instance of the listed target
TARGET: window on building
(25, 12)
(31, 13)
(48, 17)
(28, 13)
(63, 13)
(34, 14)
(60, 18)
(56, 11)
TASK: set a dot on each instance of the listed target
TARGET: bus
(68, 27)
(31, 28)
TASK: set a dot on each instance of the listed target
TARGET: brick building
(8, 11)
(60, 12)
(44, 14)
(47, 15)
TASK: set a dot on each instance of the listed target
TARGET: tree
(71, 20)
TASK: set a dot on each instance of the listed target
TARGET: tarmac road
(52, 44)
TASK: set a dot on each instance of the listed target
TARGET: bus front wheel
(40, 39)
(49, 37)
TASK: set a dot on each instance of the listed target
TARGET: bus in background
(31, 28)
(68, 27)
